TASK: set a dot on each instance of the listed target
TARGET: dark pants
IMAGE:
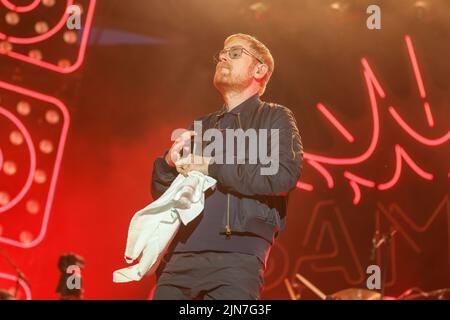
(210, 275)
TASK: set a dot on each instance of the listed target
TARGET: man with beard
(222, 254)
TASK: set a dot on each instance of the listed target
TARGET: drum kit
(346, 294)
(363, 293)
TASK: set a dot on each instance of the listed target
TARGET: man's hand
(193, 163)
(181, 143)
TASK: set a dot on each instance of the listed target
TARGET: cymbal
(356, 294)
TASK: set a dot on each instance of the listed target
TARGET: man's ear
(261, 71)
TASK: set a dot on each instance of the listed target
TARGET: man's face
(235, 74)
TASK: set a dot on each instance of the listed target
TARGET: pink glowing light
(400, 155)
(414, 134)
(22, 284)
(324, 172)
(32, 155)
(364, 182)
(304, 186)
(415, 65)
(428, 113)
(356, 192)
(62, 140)
(31, 40)
(372, 84)
(373, 78)
(21, 9)
(375, 89)
(335, 122)
(48, 65)
(355, 181)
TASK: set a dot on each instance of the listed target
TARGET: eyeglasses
(235, 53)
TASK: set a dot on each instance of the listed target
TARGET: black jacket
(256, 203)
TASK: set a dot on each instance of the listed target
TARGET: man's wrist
(208, 161)
(168, 160)
(213, 169)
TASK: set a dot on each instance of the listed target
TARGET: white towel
(153, 228)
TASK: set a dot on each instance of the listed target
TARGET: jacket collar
(244, 108)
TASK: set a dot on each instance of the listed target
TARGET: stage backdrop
(84, 113)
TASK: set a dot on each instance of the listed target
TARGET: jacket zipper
(228, 227)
